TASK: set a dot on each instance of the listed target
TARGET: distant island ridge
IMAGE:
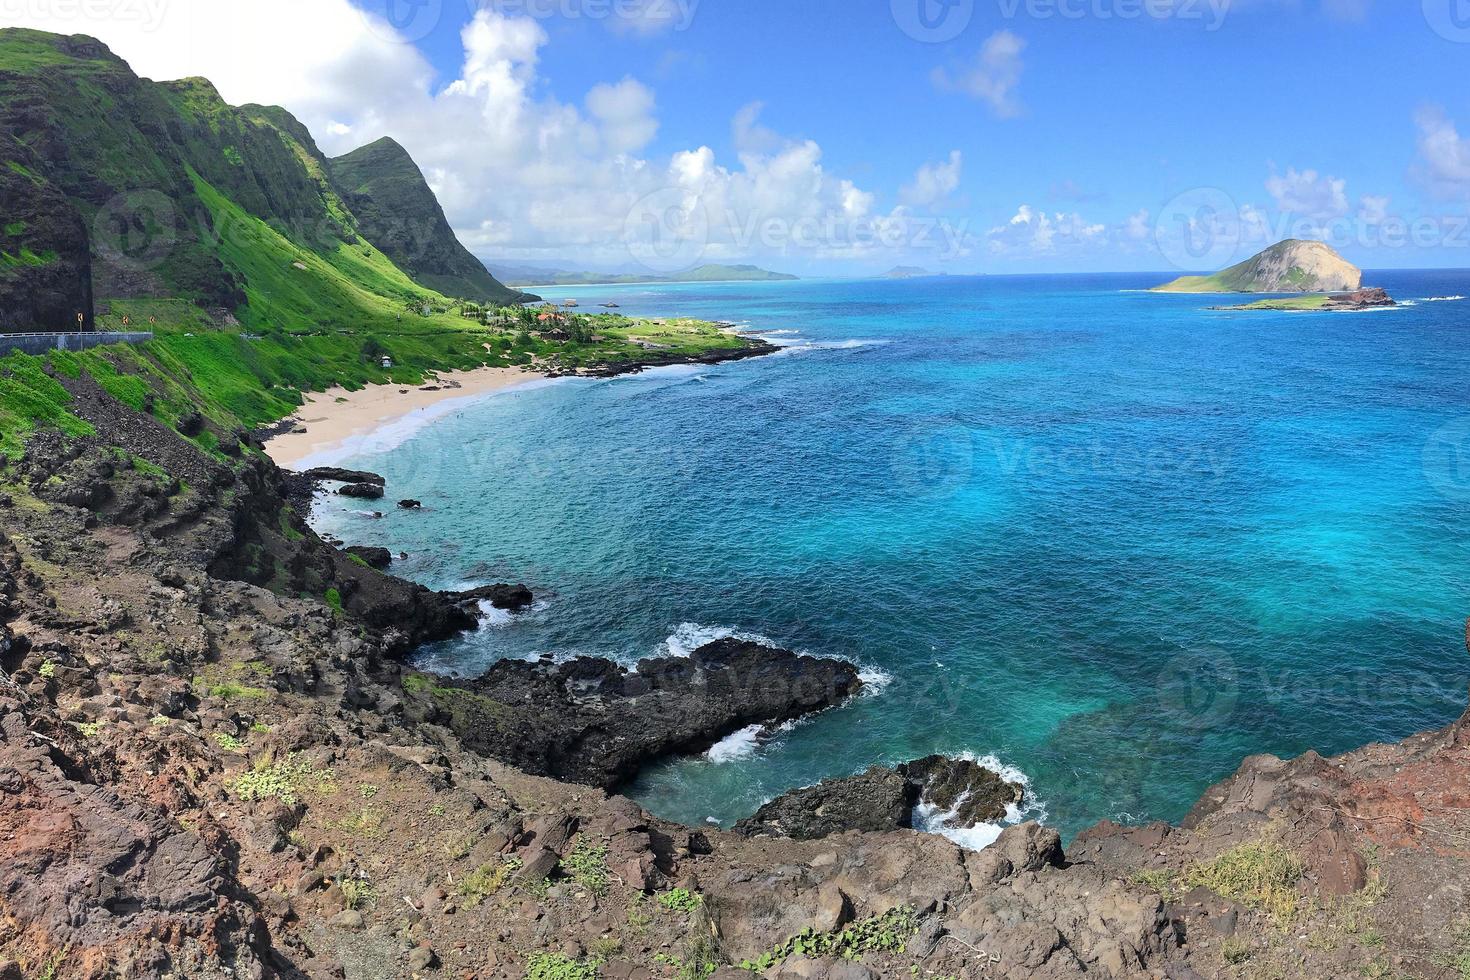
(526, 275)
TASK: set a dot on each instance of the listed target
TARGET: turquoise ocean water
(1114, 540)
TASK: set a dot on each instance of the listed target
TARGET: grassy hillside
(224, 231)
(186, 196)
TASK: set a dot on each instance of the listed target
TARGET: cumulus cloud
(1372, 209)
(1308, 194)
(521, 174)
(1139, 227)
(1444, 156)
(625, 114)
(992, 77)
(934, 182)
(1037, 233)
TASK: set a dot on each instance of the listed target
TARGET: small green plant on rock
(485, 881)
(1261, 875)
(1160, 880)
(1234, 951)
(47, 669)
(228, 742)
(1459, 961)
(886, 933)
(638, 918)
(285, 781)
(357, 892)
(555, 966)
(333, 599)
(680, 900)
(587, 865)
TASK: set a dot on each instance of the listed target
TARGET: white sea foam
(931, 820)
(688, 637)
(492, 618)
(1441, 299)
(741, 745)
(801, 346)
(875, 681)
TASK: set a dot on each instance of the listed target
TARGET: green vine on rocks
(886, 933)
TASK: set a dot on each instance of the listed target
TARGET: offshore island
(215, 759)
(1312, 274)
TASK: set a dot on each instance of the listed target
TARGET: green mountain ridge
(398, 212)
(115, 187)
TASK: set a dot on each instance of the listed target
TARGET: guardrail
(40, 343)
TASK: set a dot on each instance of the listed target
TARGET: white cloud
(625, 112)
(1038, 233)
(934, 182)
(1444, 156)
(1139, 227)
(992, 77)
(1372, 209)
(749, 135)
(1309, 195)
(520, 173)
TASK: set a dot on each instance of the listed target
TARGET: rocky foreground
(214, 763)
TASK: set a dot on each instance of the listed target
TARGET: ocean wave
(875, 680)
(741, 745)
(804, 347)
(492, 618)
(688, 637)
(1441, 299)
(929, 819)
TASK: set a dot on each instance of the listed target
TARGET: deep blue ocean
(1114, 540)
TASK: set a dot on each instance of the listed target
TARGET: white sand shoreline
(336, 424)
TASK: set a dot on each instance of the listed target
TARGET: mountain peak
(1291, 266)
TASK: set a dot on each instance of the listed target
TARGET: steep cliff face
(45, 258)
(399, 214)
(1286, 267)
(119, 151)
(178, 194)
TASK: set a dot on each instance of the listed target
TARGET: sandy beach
(335, 422)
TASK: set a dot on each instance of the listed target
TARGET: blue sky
(833, 136)
(1109, 116)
